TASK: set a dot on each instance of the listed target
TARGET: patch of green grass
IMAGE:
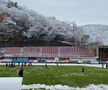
(65, 75)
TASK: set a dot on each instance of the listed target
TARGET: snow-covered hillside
(32, 22)
(97, 33)
(19, 24)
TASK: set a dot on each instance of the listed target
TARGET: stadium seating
(67, 52)
(31, 51)
(11, 51)
(47, 51)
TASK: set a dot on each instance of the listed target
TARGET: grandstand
(49, 53)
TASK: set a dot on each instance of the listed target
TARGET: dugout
(103, 53)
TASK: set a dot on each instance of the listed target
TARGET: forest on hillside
(20, 26)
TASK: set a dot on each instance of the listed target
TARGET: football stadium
(48, 52)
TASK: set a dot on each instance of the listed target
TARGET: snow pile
(54, 64)
(65, 87)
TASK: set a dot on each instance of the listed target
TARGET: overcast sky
(80, 11)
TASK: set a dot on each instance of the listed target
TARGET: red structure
(47, 51)
(40, 54)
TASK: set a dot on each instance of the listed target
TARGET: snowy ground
(65, 87)
(53, 64)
